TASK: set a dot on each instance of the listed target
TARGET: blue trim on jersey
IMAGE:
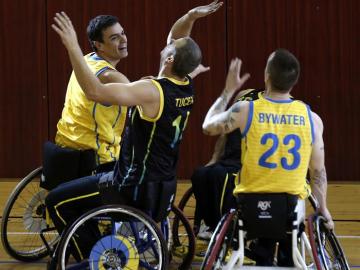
(95, 57)
(311, 124)
(279, 101)
(249, 120)
(97, 134)
(112, 156)
(98, 73)
(117, 117)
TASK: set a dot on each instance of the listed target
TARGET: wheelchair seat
(274, 211)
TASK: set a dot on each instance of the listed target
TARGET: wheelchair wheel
(116, 237)
(23, 220)
(221, 243)
(187, 205)
(182, 240)
(326, 249)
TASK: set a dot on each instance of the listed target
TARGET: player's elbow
(210, 129)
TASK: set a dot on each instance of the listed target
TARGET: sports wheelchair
(273, 216)
(126, 236)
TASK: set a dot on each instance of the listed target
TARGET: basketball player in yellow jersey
(86, 124)
(281, 138)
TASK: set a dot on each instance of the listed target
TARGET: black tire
(329, 249)
(221, 242)
(116, 241)
(182, 245)
(25, 212)
(187, 205)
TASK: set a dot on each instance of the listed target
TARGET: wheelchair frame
(316, 235)
(38, 251)
(230, 230)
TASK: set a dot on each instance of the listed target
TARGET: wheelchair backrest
(267, 215)
(61, 164)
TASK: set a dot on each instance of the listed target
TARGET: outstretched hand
(203, 11)
(200, 69)
(233, 79)
(65, 30)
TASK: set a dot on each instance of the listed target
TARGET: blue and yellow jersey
(85, 124)
(276, 148)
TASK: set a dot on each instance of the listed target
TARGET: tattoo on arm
(319, 177)
(231, 120)
(221, 104)
(235, 108)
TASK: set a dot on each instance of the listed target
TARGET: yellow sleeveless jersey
(85, 124)
(276, 148)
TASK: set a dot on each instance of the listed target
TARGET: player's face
(114, 43)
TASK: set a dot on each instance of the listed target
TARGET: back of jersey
(276, 148)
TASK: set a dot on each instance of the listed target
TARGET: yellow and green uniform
(276, 148)
(86, 124)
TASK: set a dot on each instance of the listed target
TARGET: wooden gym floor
(343, 201)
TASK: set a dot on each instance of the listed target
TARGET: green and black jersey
(151, 145)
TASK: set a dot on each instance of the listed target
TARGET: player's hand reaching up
(65, 30)
(203, 11)
(233, 79)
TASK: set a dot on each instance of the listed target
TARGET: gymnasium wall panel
(23, 91)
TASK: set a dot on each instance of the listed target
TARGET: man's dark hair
(97, 25)
(283, 69)
(187, 58)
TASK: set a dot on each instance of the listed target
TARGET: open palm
(203, 11)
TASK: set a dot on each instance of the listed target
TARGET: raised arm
(317, 170)
(183, 26)
(136, 93)
(217, 120)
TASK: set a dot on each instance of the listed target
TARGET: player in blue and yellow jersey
(281, 138)
(144, 176)
(87, 124)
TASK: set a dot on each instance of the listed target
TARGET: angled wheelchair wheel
(187, 205)
(221, 243)
(182, 240)
(116, 237)
(326, 249)
(24, 218)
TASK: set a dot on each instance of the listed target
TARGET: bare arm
(136, 93)
(183, 26)
(113, 76)
(219, 121)
(317, 170)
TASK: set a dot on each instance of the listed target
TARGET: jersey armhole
(161, 105)
(311, 124)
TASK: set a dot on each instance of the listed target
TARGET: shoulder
(318, 123)
(112, 76)
(240, 107)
